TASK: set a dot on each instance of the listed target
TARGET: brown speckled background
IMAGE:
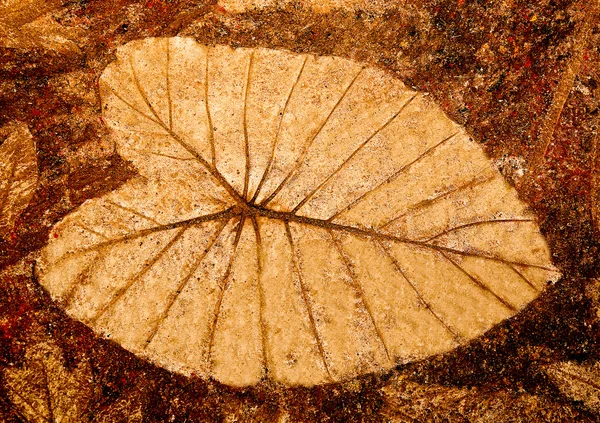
(522, 77)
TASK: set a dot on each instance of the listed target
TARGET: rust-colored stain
(521, 78)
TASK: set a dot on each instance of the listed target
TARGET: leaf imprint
(18, 174)
(297, 218)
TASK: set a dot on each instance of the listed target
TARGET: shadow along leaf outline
(299, 218)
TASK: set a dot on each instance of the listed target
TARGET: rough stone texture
(371, 6)
(520, 76)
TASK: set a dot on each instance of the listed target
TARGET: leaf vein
(223, 285)
(146, 267)
(133, 211)
(582, 379)
(246, 142)
(369, 233)
(309, 143)
(305, 298)
(479, 283)
(389, 179)
(479, 222)
(183, 283)
(354, 153)
(522, 276)
(49, 404)
(457, 338)
(211, 130)
(261, 296)
(276, 140)
(212, 170)
(476, 181)
(359, 290)
(197, 220)
(168, 80)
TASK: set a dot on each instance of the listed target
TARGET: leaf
(28, 24)
(20, 12)
(579, 382)
(18, 174)
(298, 218)
(43, 390)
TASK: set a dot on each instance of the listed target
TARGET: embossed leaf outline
(578, 381)
(43, 390)
(296, 218)
(18, 174)
(408, 401)
(27, 24)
